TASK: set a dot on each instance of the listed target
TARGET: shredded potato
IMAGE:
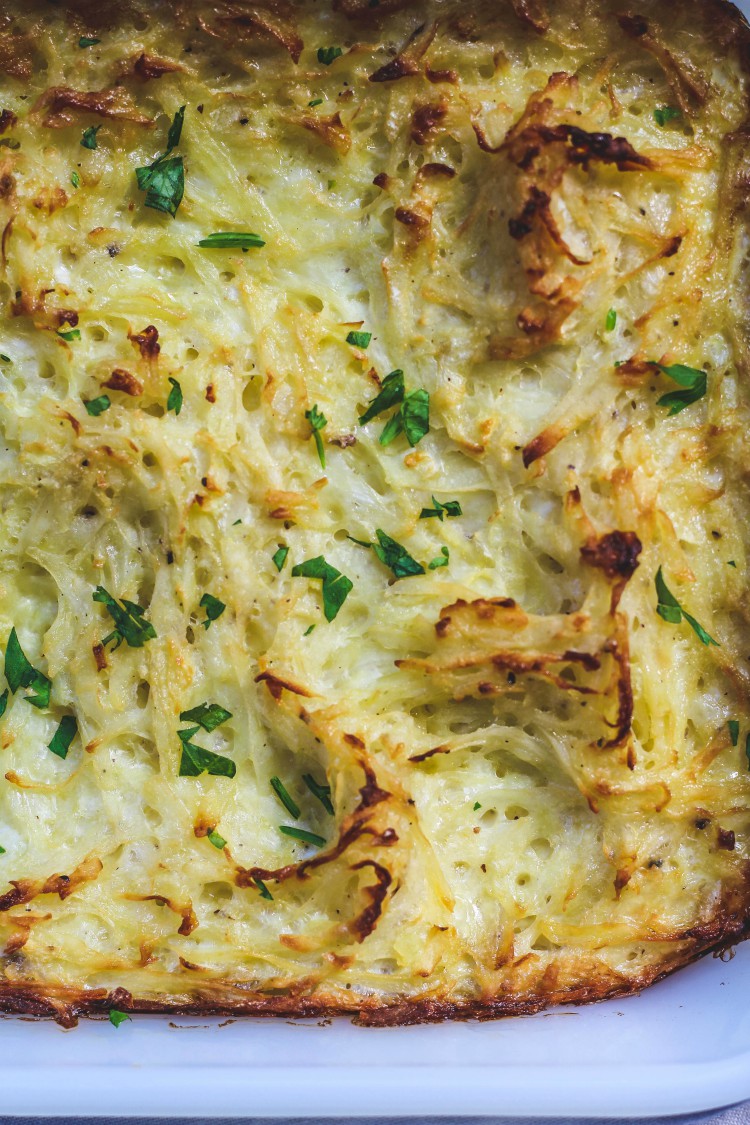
(538, 783)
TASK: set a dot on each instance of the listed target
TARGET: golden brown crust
(482, 651)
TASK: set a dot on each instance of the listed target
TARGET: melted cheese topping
(539, 797)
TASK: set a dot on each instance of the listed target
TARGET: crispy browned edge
(67, 1004)
(729, 925)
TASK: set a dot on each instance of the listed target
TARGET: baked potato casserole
(374, 486)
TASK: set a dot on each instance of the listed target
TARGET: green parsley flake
(206, 715)
(450, 508)
(63, 736)
(213, 607)
(217, 840)
(412, 417)
(84, 41)
(73, 334)
(263, 889)
(747, 749)
(322, 792)
(97, 406)
(88, 140)
(164, 180)
(442, 560)
(279, 557)
(229, 240)
(308, 630)
(314, 102)
(359, 339)
(317, 422)
(336, 586)
(130, 624)
(665, 113)
(692, 381)
(3, 702)
(21, 674)
(327, 55)
(390, 394)
(196, 760)
(5, 358)
(611, 320)
(734, 731)
(174, 401)
(392, 554)
(116, 1018)
(2, 850)
(75, 179)
(477, 806)
(301, 834)
(670, 610)
(287, 801)
(415, 412)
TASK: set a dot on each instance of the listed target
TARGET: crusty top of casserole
(410, 514)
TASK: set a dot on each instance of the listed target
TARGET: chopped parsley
(326, 55)
(213, 607)
(217, 840)
(174, 401)
(314, 102)
(75, 179)
(279, 557)
(301, 834)
(84, 41)
(413, 416)
(97, 406)
(206, 715)
(734, 731)
(116, 1018)
(230, 240)
(317, 422)
(88, 140)
(308, 630)
(450, 508)
(359, 339)
(21, 674)
(415, 412)
(336, 586)
(611, 320)
(391, 393)
(670, 610)
(63, 736)
(287, 801)
(72, 334)
(263, 889)
(3, 702)
(130, 624)
(692, 383)
(322, 792)
(732, 563)
(164, 180)
(5, 358)
(392, 554)
(477, 806)
(442, 560)
(747, 748)
(665, 113)
(2, 850)
(195, 760)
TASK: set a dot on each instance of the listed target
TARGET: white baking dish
(682, 1046)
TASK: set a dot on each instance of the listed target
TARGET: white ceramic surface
(680, 1047)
